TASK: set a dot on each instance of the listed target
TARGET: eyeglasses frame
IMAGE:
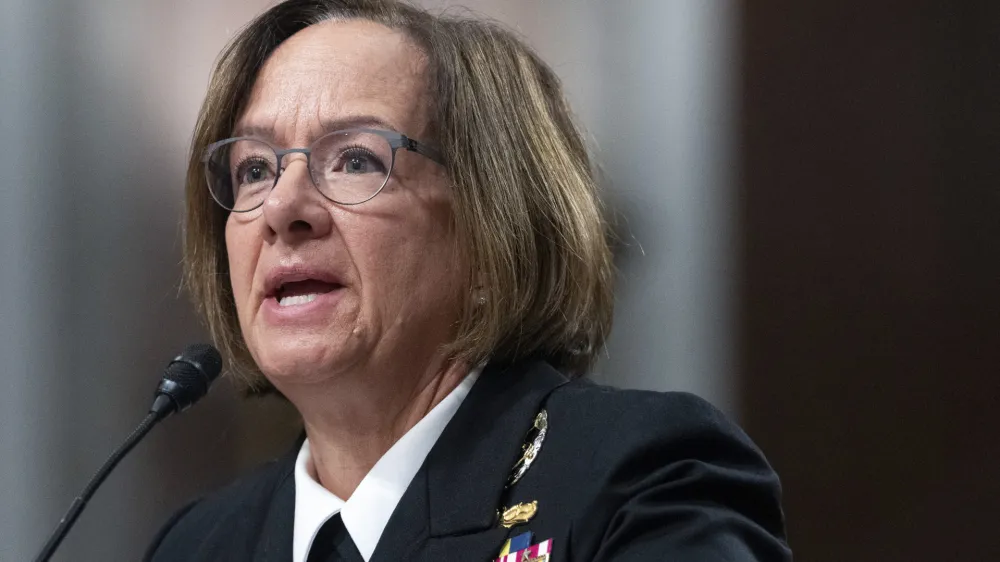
(396, 141)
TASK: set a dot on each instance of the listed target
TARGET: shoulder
(645, 459)
(220, 517)
(583, 395)
(625, 418)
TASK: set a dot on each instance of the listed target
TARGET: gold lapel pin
(518, 514)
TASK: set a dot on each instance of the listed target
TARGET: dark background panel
(870, 239)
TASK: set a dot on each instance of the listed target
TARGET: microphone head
(187, 378)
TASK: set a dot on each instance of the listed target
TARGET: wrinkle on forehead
(339, 69)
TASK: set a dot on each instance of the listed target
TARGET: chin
(291, 359)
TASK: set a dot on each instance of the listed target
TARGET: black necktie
(333, 543)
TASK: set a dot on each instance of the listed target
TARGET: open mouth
(297, 293)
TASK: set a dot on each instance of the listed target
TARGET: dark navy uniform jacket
(622, 475)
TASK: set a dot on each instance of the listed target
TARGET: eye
(359, 160)
(252, 171)
(356, 165)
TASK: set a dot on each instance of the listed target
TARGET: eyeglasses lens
(347, 167)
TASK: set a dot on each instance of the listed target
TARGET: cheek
(414, 263)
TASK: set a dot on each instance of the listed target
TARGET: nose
(295, 211)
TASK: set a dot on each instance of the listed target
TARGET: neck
(352, 421)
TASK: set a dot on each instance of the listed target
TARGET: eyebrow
(326, 125)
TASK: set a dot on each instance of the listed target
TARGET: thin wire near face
(348, 167)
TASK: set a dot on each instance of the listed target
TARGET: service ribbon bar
(538, 553)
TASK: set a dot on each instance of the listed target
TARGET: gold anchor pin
(518, 514)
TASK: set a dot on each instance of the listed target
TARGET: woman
(392, 222)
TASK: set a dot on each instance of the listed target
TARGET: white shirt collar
(366, 513)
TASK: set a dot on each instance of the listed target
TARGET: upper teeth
(297, 299)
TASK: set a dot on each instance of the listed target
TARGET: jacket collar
(273, 538)
(458, 489)
(454, 497)
(468, 467)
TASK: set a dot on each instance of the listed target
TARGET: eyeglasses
(348, 167)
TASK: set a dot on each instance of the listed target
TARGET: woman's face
(322, 289)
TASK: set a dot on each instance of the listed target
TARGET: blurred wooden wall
(870, 238)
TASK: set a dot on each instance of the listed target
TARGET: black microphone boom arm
(185, 381)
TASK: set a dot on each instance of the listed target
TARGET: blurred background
(808, 204)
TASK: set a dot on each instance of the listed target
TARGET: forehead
(335, 74)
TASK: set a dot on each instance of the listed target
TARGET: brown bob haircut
(525, 203)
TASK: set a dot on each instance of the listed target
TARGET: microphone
(185, 381)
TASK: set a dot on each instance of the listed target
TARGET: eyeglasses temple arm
(428, 151)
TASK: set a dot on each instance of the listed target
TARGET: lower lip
(318, 310)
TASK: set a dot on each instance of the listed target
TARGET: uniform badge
(520, 542)
(518, 514)
(518, 549)
(537, 553)
(531, 447)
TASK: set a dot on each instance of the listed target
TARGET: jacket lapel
(449, 511)
(274, 543)
(274, 536)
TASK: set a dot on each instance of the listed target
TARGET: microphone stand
(185, 381)
(66, 523)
